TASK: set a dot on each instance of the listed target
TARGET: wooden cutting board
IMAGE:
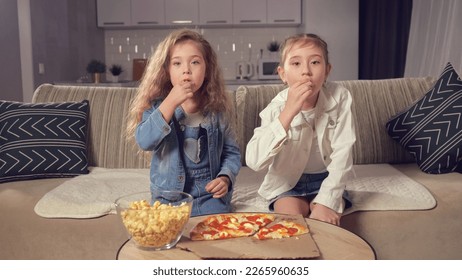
(297, 247)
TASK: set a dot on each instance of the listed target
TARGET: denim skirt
(308, 187)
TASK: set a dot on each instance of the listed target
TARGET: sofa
(415, 234)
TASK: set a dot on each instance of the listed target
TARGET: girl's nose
(307, 70)
(186, 71)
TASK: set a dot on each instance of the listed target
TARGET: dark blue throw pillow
(431, 129)
(43, 140)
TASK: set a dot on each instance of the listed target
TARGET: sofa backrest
(374, 103)
(106, 145)
(250, 101)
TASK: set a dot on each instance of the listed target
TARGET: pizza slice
(281, 229)
(261, 220)
(229, 226)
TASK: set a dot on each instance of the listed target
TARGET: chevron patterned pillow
(431, 129)
(42, 140)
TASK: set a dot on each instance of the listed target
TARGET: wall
(60, 34)
(230, 44)
(64, 38)
(335, 20)
(10, 70)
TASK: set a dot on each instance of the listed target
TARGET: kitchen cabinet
(252, 12)
(284, 12)
(113, 13)
(181, 12)
(165, 13)
(215, 12)
(147, 12)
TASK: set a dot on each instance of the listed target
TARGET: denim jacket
(167, 169)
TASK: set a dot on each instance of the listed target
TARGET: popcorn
(156, 225)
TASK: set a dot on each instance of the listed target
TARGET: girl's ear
(328, 68)
(282, 74)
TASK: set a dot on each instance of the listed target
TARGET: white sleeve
(267, 140)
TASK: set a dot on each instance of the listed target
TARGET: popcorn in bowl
(158, 225)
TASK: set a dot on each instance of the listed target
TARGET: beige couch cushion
(250, 101)
(27, 236)
(419, 234)
(107, 146)
(384, 98)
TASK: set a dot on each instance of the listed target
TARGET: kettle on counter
(244, 70)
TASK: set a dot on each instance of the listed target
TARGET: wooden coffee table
(334, 243)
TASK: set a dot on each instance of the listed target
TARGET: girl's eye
(315, 62)
(175, 63)
(295, 63)
(195, 62)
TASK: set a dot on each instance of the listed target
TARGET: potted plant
(96, 68)
(273, 46)
(115, 70)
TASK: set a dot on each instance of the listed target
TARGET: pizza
(281, 229)
(260, 226)
(225, 226)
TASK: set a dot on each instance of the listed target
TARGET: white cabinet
(267, 12)
(181, 12)
(165, 13)
(251, 12)
(113, 13)
(147, 12)
(215, 12)
(284, 12)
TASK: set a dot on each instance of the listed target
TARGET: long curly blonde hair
(155, 82)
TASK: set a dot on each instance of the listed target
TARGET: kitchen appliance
(268, 68)
(244, 70)
(139, 65)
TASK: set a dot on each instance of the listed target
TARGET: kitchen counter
(252, 82)
(230, 84)
(102, 84)
(234, 84)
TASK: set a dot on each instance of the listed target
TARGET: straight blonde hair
(303, 38)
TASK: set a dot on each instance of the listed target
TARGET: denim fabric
(308, 186)
(167, 163)
(194, 146)
(197, 167)
(203, 202)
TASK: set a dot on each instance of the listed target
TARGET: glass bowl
(155, 220)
